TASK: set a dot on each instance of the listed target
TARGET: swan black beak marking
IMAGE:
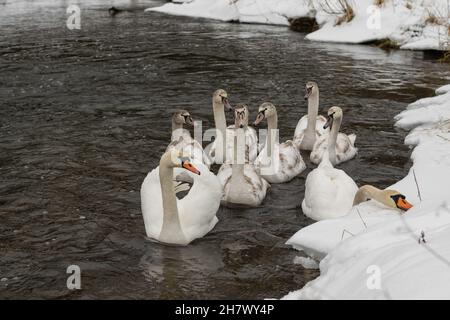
(329, 122)
(259, 118)
(227, 104)
(401, 203)
(308, 93)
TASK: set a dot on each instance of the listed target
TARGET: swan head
(182, 117)
(333, 114)
(394, 199)
(265, 111)
(389, 197)
(220, 98)
(176, 159)
(241, 116)
(311, 89)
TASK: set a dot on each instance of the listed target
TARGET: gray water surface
(84, 115)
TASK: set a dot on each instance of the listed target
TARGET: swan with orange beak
(390, 198)
(169, 219)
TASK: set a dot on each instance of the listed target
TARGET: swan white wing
(290, 163)
(329, 193)
(301, 127)
(191, 148)
(251, 143)
(250, 191)
(198, 209)
(345, 148)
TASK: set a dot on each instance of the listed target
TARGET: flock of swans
(180, 198)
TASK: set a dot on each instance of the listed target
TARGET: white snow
(378, 239)
(405, 22)
(306, 262)
(246, 11)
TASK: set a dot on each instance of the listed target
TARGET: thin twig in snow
(344, 231)
(359, 213)
(417, 185)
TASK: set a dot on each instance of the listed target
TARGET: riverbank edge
(396, 29)
(410, 251)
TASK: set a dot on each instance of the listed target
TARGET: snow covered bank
(374, 241)
(247, 11)
(416, 25)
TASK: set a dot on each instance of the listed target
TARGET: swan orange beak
(403, 204)
(188, 166)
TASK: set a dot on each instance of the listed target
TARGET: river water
(85, 114)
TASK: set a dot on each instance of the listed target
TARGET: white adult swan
(389, 197)
(182, 141)
(217, 149)
(329, 192)
(277, 163)
(174, 221)
(241, 183)
(311, 126)
(341, 147)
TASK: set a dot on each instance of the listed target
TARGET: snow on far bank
(373, 239)
(247, 11)
(415, 25)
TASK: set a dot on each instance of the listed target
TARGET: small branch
(344, 231)
(417, 185)
(359, 213)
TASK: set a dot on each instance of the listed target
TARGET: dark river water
(85, 114)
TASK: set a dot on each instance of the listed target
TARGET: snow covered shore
(416, 25)
(374, 241)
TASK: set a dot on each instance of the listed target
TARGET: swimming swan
(173, 221)
(341, 147)
(329, 192)
(310, 127)
(277, 163)
(241, 183)
(217, 148)
(182, 141)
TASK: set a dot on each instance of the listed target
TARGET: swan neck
(176, 125)
(177, 130)
(171, 219)
(272, 126)
(237, 167)
(221, 127)
(313, 111)
(365, 193)
(333, 139)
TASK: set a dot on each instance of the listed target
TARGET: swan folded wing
(198, 209)
(329, 193)
(345, 149)
(299, 133)
(252, 189)
(291, 160)
(288, 165)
